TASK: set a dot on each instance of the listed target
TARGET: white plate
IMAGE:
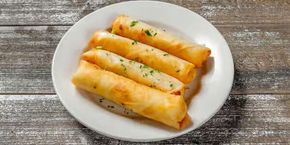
(215, 84)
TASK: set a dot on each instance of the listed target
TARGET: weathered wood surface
(257, 31)
(261, 55)
(67, 12)
(41, 119)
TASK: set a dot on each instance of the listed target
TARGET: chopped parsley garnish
(133, 23)
(121, 60)
(145, 75)
(166, 54)
(145, 66)
(147, 70)
(151, 72)
(124, 67)
(152, 49)
(134, 42)
(131, 62)
(148, 33)
(171, 84)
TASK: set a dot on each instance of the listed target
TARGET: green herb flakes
(145, 75)
(148, 33)
(134, 42)
(131, 62)
(145, 66)
(151, 72)
(133, 23)
(124, 67)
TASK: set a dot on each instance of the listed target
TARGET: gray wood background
(257, 111)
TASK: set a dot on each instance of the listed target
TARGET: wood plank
(26, 54)
(67, 12)
(41, 119)
(261, 55)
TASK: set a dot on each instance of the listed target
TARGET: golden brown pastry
(151, 103)
(134, 70)
(140, 31)
(155, 58)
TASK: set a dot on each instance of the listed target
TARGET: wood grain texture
(41, 119)
(261, 56)
(67, 12)
(26, 55)
(257, 31)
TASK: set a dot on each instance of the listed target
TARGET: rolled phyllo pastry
(140, 31)
(155, 58)
(134, 70)
(148, 102)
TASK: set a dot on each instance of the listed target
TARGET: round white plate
(215, 84)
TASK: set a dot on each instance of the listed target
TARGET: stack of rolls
(143, 68)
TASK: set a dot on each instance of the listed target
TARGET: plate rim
(132, 139)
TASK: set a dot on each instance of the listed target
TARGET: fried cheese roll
(151, 103)
(155, 58)
(134, 70)
(140, 31)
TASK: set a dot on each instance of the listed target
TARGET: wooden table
(257, 111)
